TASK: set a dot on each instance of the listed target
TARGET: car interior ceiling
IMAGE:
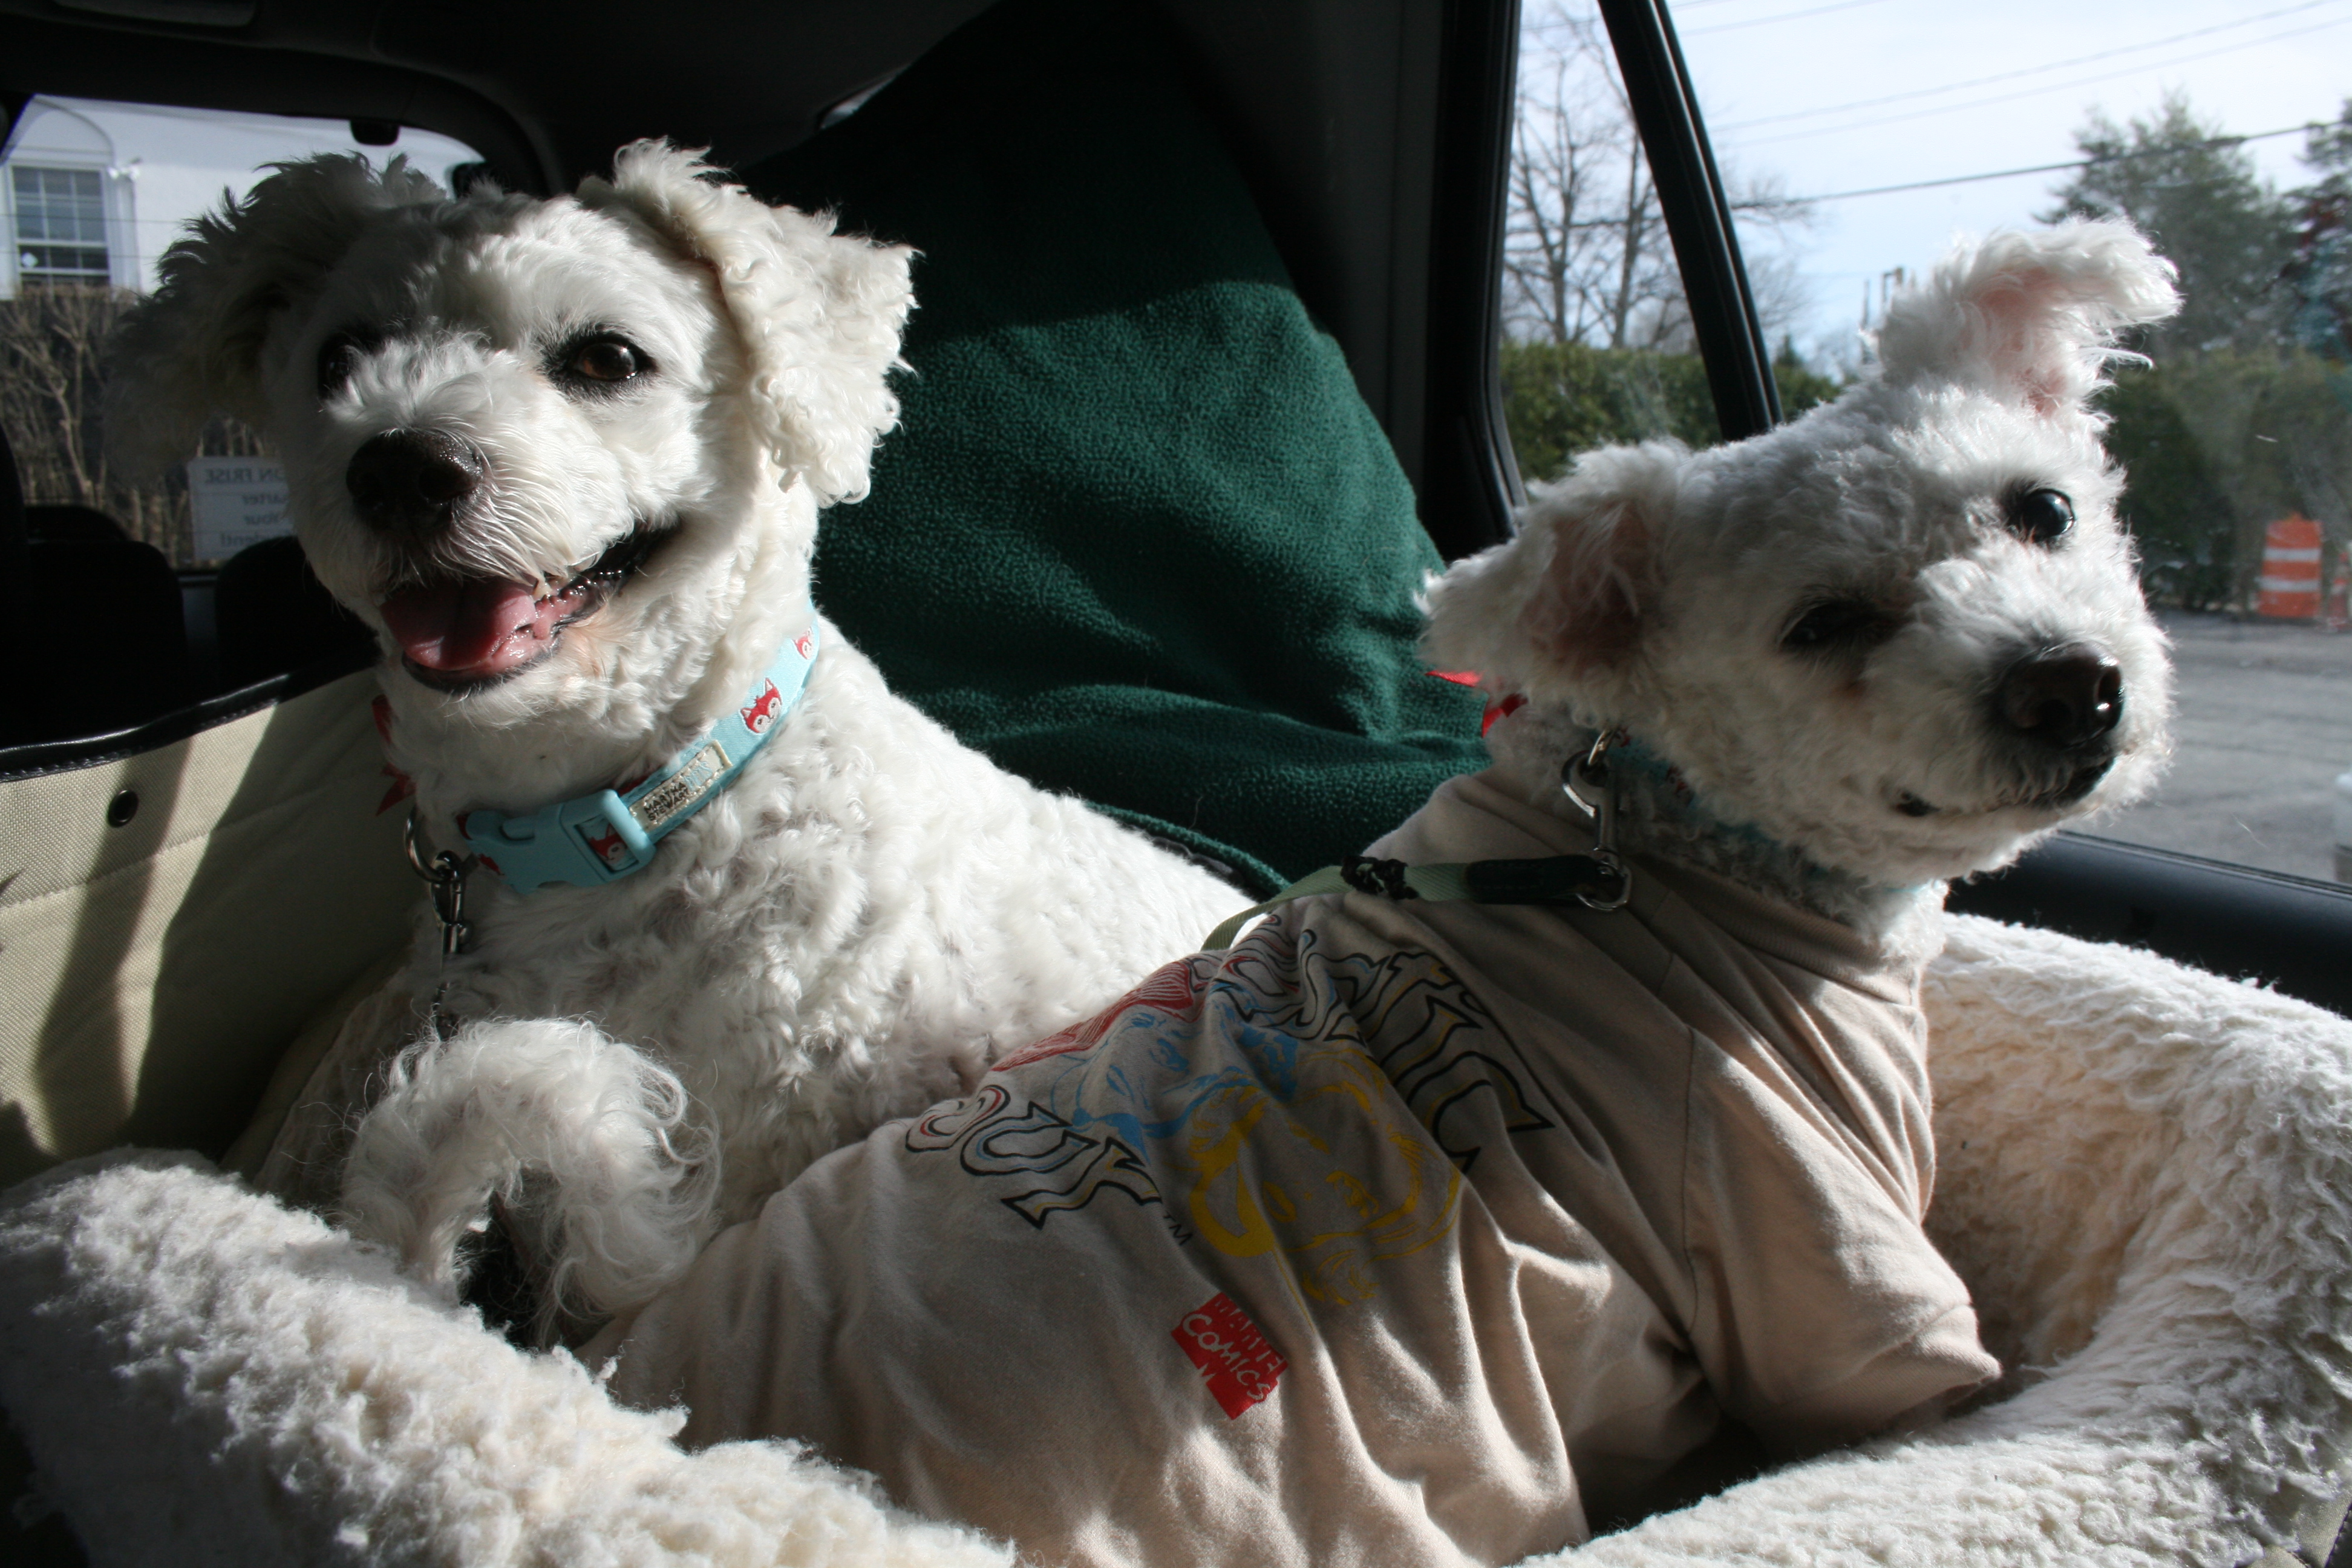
(1372, 133)
(1331, 107)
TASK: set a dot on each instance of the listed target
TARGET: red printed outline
(764, 710)
(1171, 989)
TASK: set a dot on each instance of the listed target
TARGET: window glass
(92, 194)
(1597, 343)
(1858, 137)
(60, 228)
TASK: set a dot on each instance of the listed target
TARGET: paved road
(2264, 727)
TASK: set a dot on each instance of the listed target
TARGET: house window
(60, 224)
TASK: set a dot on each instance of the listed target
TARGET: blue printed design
(1269, 1102)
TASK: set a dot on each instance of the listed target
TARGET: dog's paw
(586, 1146)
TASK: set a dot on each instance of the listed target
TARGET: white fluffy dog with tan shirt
(566, 457)
(1488, 1185)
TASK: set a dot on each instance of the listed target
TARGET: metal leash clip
(1592, 771)
(445, 874)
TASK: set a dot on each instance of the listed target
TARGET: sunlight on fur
(565, 457)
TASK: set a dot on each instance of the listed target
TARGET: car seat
(68, 519)
(93, 632)
(271, 616)
(2145, 1169)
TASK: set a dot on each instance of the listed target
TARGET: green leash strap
(1599, 881)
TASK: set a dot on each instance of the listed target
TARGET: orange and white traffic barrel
(2289, 587)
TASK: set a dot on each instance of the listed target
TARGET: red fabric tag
(403, 786)
(1240, 1368)
(1503, 710)
(1499, 710)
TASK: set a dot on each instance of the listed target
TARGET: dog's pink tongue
(475, 626)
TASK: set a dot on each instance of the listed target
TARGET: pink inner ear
(2021, 347)
(1591, 633)
(1585, 615)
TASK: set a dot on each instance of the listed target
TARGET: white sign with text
(236, 501)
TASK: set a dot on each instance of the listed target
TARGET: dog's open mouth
(457, 633)
(2068, 791)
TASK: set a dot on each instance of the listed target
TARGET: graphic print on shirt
(993, 1136)
(1272, 1101)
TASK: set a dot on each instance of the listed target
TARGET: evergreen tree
(2195, 193)
(2321, 271)
(2233, 425)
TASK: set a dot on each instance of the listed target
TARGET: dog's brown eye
(340, 355)
(601, 362)
(1838, 625)
(2042, 515)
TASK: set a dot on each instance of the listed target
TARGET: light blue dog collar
(602, 838)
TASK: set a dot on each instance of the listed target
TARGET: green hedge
(1560, 399)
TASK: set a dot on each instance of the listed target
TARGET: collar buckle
(592, 839)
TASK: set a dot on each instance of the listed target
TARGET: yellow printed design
(1318, 1111)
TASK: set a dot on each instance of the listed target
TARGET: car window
(1856, 138)
(1596, 341)
(91, 193)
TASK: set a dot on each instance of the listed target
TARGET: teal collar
(601, 838)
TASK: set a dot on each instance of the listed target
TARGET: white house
(93, 191)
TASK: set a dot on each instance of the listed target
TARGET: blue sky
(1946, 88)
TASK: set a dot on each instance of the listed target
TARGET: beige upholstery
(2147, 1179)
(153, 973)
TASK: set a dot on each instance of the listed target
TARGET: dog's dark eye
(340, 354)
(1839, 625)
(600, 361)
(2041, 515)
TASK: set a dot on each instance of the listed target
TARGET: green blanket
(1138, 538)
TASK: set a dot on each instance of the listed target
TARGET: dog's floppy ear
(2032, 318)
(819, 313)
(192, 349)
(1563, 607)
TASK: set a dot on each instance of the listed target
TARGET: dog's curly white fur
(1890, 642)
(565, 457)
(627, 1174)
(1896, 641)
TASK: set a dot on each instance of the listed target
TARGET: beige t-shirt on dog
(1400, 1233)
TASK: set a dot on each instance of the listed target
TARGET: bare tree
(1586, 257)
(53, 340)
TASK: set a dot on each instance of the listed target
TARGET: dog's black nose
(412, 482)
(2063, 697)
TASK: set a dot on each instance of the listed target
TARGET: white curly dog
(1481, 1195)
(566, 458)
(1898, 641)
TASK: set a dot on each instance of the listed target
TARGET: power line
(2027, 71)
(2037, 168)
(2038, 91)
(1783, 16)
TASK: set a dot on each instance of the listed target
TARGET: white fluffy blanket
(2147, 1179)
